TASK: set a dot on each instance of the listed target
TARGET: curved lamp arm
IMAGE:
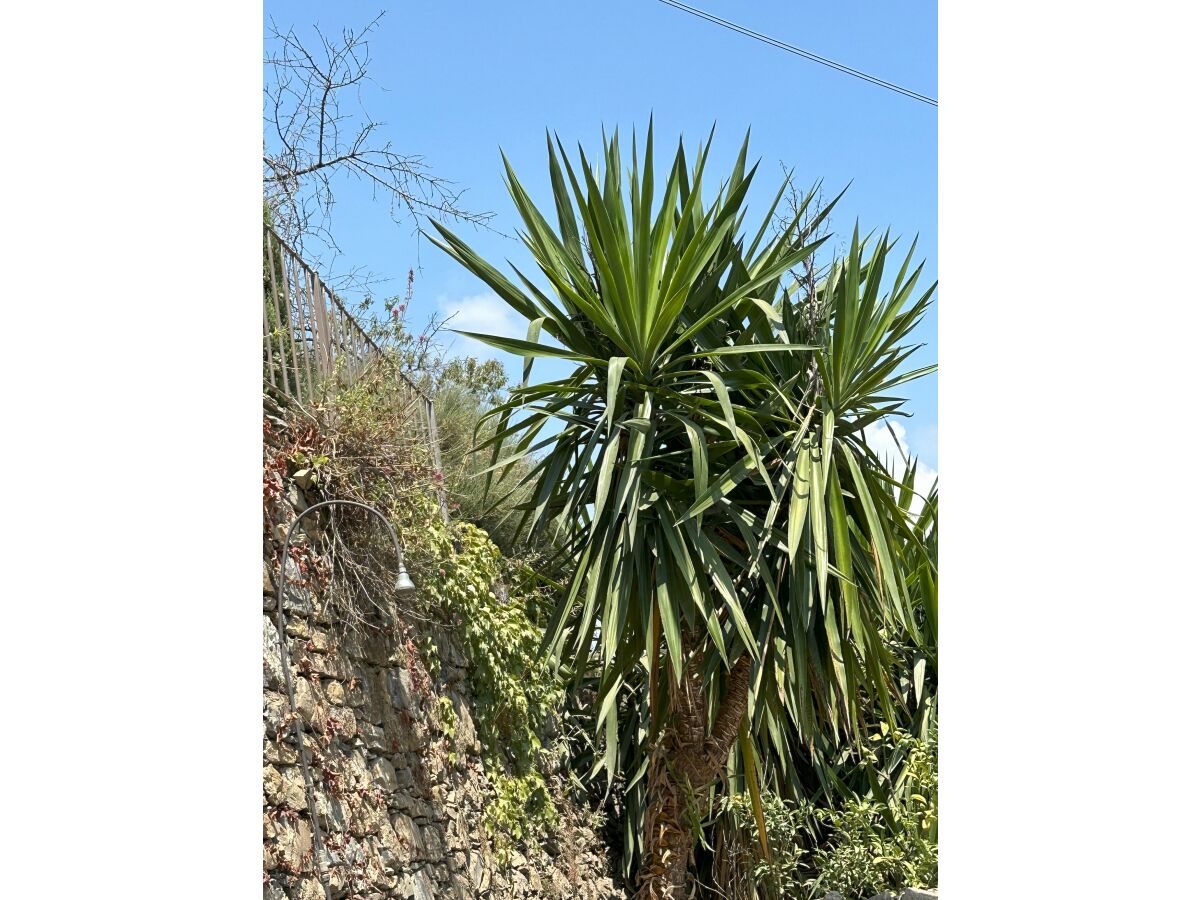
(404, 586)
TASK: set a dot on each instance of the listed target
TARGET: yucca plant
(735, 545)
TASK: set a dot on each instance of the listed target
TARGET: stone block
(462, 888)
(418, 886)
(400, 690)
(409, 836)
(345, 724)
(466, 739)
(368, 818)
(320, 640)
(308, 889)
(272, 664)
(520, 884)
(310, 704)
(331, 813)
(477, 872)
(275, 709)
(284, 786)
(383, 774)
(372, 737)
(404, 777)
(335, 693)
(297, 599)
(281, 752)
(355, 695)
(293, 842)
(435, 848)
(329, 665)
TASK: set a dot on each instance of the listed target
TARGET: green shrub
(521, 811)
(491, 604)
(874, 846)
(859, 847)
(787, 828)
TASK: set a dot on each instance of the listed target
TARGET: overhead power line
(717, 20)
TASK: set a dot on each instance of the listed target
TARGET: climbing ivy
(522, 810)
(489, 603)
(514, 690)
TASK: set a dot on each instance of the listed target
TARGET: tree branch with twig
(317, 130)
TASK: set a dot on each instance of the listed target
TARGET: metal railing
(313, 347)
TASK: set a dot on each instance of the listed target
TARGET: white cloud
(894, 452)
(482, 313)
(488, 314)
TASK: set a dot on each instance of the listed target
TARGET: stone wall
(399, 782)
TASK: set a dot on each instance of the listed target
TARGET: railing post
(324, 357)
(435, 450)
(310, 311)
(301, 341)
(271, 239)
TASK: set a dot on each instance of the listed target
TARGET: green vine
(486, 601)
(521, 810)
(514, 693)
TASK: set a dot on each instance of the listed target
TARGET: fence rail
(313, 347)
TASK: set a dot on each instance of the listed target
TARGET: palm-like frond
(710, 474)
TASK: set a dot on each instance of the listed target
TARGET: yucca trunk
(686, 761)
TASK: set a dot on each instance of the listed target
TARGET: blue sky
(458, 81)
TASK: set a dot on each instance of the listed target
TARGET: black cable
(717, 20)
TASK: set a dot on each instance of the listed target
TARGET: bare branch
(316, 129)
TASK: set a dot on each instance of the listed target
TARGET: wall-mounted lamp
(404, 584)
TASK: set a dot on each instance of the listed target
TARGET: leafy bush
(463, 389)
(493, 605)
(786, 825)
(460, 402)
(858, 847)
(875, 846)
(521, 810)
